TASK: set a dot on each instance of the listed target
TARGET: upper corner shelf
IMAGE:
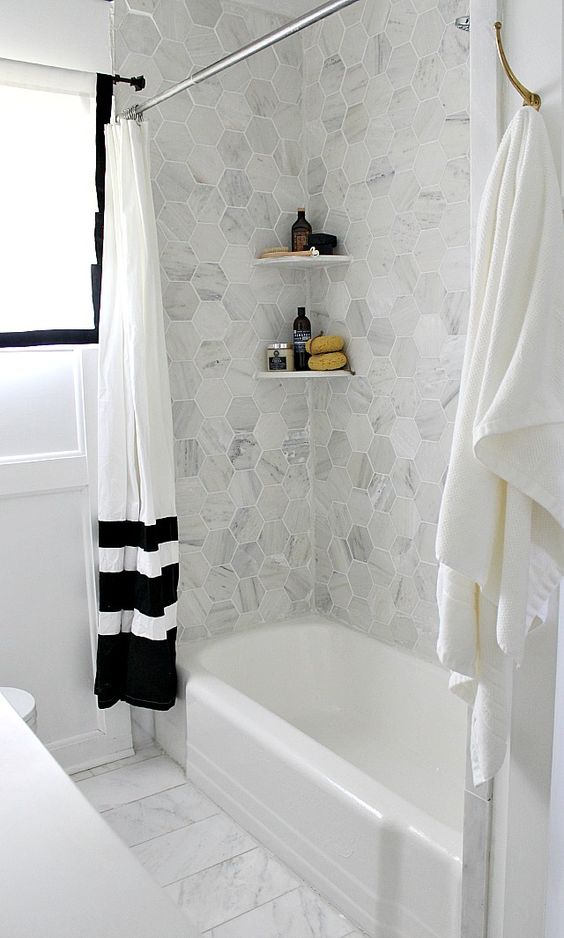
(304, 263)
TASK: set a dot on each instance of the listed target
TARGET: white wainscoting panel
(47, 550)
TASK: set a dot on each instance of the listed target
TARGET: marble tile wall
(227, 162)
(367, 113)
(386, 139)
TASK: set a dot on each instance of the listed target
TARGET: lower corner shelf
(339, 373)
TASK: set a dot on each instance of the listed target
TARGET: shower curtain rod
(295, 26)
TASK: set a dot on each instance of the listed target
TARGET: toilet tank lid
(21, 700)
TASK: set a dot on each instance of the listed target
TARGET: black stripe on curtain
(139, 670)
(137, 534)
(130, 589)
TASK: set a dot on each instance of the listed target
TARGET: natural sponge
(324, 343)
(328, 361)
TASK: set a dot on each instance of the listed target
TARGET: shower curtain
(138, 528)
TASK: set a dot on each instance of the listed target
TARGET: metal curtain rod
(295, 26)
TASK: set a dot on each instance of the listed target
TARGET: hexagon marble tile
(388, 134)
(295, 495)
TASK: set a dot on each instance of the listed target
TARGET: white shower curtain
(138, 529)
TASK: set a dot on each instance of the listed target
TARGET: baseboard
(88, 750)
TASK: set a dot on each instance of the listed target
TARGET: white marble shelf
(304, 263)
(339, 373)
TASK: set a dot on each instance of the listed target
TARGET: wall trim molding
(87, 750)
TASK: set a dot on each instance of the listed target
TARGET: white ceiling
(290, 8)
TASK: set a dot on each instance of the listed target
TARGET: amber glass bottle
(301, 230)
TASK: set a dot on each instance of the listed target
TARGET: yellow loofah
(328, 361)
(324, 343)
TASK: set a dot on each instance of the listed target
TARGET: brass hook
(530, 98)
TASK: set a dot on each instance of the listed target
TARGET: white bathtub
(343, 755)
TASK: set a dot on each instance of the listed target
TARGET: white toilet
(23, 703)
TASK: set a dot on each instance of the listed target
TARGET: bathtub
(345, 757)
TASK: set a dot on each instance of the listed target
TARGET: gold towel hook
(530, 98)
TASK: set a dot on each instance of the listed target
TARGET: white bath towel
(501, 540)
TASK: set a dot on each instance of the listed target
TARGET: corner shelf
(304, 263)
(321, 261)
(338, 373)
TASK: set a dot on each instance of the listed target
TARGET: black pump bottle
(302, 332)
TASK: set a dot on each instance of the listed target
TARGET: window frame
(104, 98)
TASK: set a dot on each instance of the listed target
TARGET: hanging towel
(500, 540)
(138, 529)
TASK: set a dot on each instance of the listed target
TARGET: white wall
(533, 42)
(532, 36)
(552, 37)
(522, 796)
(519, 867)
(64, 33)
(48, 468)
(555, 885)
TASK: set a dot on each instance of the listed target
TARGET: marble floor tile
(183, 852)
(216, 872)
(297, 914)
(141, 756)
(232, 888)
(159, 814)
(131, 782)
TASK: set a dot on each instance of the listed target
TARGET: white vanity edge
(63, 872)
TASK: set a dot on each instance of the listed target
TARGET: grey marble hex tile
(378, 155)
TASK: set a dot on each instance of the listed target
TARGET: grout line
(166, 833)
(161, 791)
(301, 884)
(116, 768)
(205, 869)
(234, 857)
(193, 824)
(260, 906)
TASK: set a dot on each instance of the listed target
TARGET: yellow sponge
(328, 361)
(324, 343)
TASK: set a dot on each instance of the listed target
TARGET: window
(48, 199)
